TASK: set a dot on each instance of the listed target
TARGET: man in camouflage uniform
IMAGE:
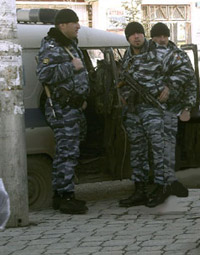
(160, 34)
(163, 72)
(67, 79)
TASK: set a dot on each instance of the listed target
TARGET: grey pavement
(172, 228)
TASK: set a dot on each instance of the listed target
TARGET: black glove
(76, 101)
(63, 97)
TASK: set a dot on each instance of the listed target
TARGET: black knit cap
(66, 16)
(132, 28)
(160, 29)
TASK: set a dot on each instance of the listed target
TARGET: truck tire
(39, 181)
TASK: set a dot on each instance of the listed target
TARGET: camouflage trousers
(151, 132)
(69, 128)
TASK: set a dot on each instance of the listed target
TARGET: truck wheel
(39, 181)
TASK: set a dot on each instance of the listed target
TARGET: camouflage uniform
(56, 69)
(150, 129)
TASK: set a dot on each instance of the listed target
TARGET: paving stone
(109, 253)
(81, 250)
(123, 242)
(110, 230)
(142, 252)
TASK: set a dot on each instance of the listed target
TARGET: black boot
(159, 194)
(178, 189)
(70, 205)
(58, 200)
(139, 197)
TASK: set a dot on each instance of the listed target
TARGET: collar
(153, 45)
(60, 38)
(143, 48)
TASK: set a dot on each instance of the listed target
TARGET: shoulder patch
(177, 56)
(45, 61)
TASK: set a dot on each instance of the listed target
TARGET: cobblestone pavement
(172, 228)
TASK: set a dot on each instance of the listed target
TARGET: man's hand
(78, 64)
(185, 115)
(121, 84)
(84, 105)
(123, 101)
(164, 95)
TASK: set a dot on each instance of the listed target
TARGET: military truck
(105, 152)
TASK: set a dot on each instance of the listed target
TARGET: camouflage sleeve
(124, 90)
(190, 93)
(190, 87)
(53, 67)
(182, 79)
